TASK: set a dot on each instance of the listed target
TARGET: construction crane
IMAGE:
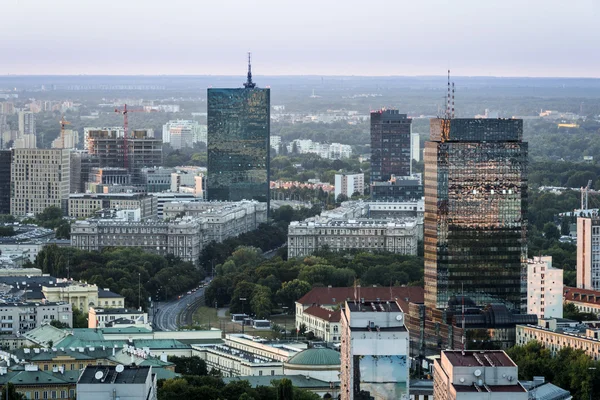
(125, 111)
(63, 122)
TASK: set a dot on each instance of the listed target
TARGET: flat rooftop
(374, 306)
(478, 359)
(135, 375)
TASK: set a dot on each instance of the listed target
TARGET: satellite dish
(477, 372)
(399, 317)
(120, 368)
(99, 375)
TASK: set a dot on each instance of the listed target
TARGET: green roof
(162, 373)
(21, 377)
(299, 381)
(316, 356)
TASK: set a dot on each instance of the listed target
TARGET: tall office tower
(238, 143)
(5, 161)
(26, 123)
(475, 212)
(107, 146)
(390, 145)
(588, 252)
(39, 179)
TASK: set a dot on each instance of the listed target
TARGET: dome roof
(316, 356)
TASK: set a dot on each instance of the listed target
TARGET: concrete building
(398, 236)
(109, 176)
(39, 179)
(183, 133)
(26, 123)
(404, 189)
(188, 180)
(117, 317)
(375, 350)
(168, 197)
(544, 288)
(486, 375)
(586, 301)
(558, 334)
(331, 151)
(33, 383)
(69, 140)
(182, 237)
(275, 142)
(25, 142)
(588, 252)
(79, 295)
(99, 382)
(84, 205)
(156, 179)
(5, 167)
(390, 145)
(348, 184)
(415, 149)
(323, 322)
(18, 318)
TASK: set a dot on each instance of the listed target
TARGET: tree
(551, 232)
(80, 320)
(60, 325)
(261, 302)
(193, 365)
(7, 231)
(9, 392)
(292, 291)
(285, 390)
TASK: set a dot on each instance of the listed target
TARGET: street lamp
(243, 299)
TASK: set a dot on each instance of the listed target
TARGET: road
(171, 315)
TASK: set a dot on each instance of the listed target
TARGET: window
(259, 373)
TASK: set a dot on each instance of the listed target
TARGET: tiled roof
(581, 295)
(329, 296)
(323, 313)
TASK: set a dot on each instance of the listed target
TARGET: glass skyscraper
(390, 145)
(238, 144)
(475, 212)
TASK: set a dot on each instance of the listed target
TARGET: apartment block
(588, 252)
(84, 205)
(18, 318)
(544, 288)
(5, 166)
(555, 337)
(26, 123)
(40, 178)
(348, 184)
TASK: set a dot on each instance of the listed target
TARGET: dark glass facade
(399, 190)
(5, 160)
(475, 211)
(390, 145)
(238, 144)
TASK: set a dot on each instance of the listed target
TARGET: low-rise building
(374, 351)
(33, 383)
(98, 382)
(324, 323)
(476, 375)
(107, 317)
(397, 189)
(586, 300)
(555, 337)
(79, 295)
(18, 318)
(84, 205)
(544, 288)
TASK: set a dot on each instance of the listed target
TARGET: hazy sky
(321, 37)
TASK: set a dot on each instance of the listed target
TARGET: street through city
(170, 315)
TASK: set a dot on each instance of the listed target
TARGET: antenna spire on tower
(249, 84)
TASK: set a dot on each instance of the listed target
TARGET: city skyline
(506, 38)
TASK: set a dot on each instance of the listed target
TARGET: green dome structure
(316, 356)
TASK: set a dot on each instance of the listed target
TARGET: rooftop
(299, 381)
(316, 356)
(581, 295)
(323, 313)
(135, 375)
(487, 358)
(105, 294)
(373, 306)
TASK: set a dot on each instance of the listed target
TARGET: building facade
(555, 340)
(238, 144)
(544, 288)
(585, 300)
(85, 205)
(348, 184)
(475, 211)
(99, 382)
(588, 253)
(5, 163)
(375, 350)
(182, 133)
(18, 318)
(390, 145)
(26, 123)
(39, 179)
(463, 375)
(397, 189)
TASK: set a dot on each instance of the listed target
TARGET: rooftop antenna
(448, 98)
(452, 100)
(249, 84)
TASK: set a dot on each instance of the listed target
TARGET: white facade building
(183, 133)
(374, 339)
(415, 147)
(18, 318)
(333, 151)
(275, 142)
(588, 252)
(348, 184)
(544, 288)
(100, 382)
(25, 142)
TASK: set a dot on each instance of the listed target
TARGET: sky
(556, 38)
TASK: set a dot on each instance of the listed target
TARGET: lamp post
(243, 299)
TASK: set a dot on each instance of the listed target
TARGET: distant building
(238, 143)
(5, 167)
(348, 184)
(117, 317)
(183, 133)
(588, 252)
(84, 205)
(26, 123)
(407, 188)
(390, 145)
(331, 151)
(415, 147)
(169, 197)
(586, 300)
(25, 142)
(544, 288)
(374, 351)
(39, 179)
(275, 142)
(18, 318)
(69, 140)
(99, 382)
(31, 382)
(156, 179)
(476, 375)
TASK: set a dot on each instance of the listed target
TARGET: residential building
(25, 142)
(319, 309)
(275, 142)
(5, 167)
(390, 145)
(475, 222)
(586, 301)
(26, 123)
(182, 133)
(396, 236)
(183, 237)
(188, 180)
(556, 335)
(238, 143)
(331, 151)
(169, 197)
(375, 350)
(403, 189)
(7, 108)
(33, 383)
(18, 318)
(415, 147)
(588, 252)
(68, 140)
(107, 317)
(466, 375)
(98, 382)
(40, 179)
(544, 288)
(84, 205)
(348, 184)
